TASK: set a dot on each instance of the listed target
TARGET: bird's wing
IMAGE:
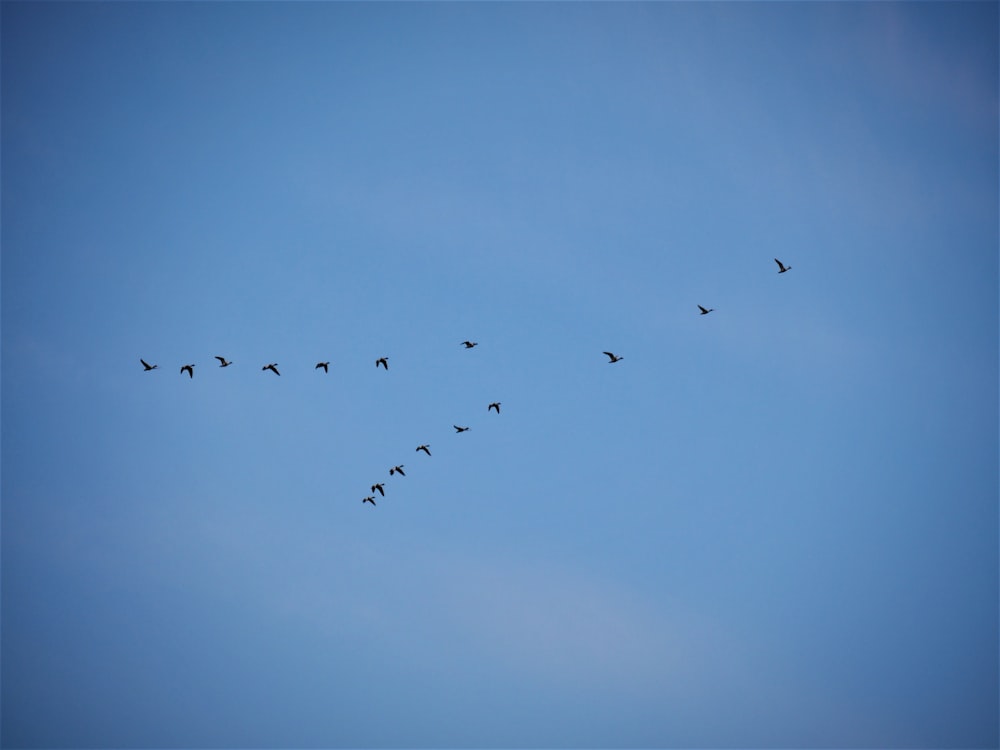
(702, 309)
(221, 359)
(144, 362)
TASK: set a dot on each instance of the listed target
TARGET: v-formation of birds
(383, 362)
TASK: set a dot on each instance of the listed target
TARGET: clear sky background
(775, 525)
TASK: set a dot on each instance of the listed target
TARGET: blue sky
(772, 526)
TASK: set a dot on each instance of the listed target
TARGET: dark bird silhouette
(146, 366)
(324, 365)
(470, 344)
(459, 429)
(704, 311)
(384, 361)
(494, 405)
(424, 448)
(377, 487)
(223, 362)
(190, 370)
(613, 358)
(397, 470)
(368, 499)
(273, 367)
(782, 267)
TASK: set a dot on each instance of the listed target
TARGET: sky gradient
(775, 525)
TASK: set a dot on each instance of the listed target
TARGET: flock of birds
(383, 362)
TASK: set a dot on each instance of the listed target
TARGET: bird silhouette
(273, 367)
(459, 429)
(704, 311)
(470, 344)
(424, 448)
(494, 405)
(223, 362)
(324, 365)
(384, 361)
(377, 487)
(146, 366)
(368, 499)
(397, 470)
(613, 358)
(190, 370)
(782, 267)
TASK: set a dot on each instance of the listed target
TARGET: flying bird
(146, 366)
(612, 357)
(324, 365)
(397, 470)
(384, 361)
(273, 367)
(494, 405)
(704, 311)
(190, 370)
(368, 499)
(782, 267)
(223, 362)
(377, 487)
(424, 448)
(459, 429)
(470, 344)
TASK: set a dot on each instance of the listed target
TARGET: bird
(377, 487)
(223, 362)
(190, 370)
(146, 366)
(424, 448)
(494, 405)
(368, 499)
(459, 429)
(612, 357)
(704, 311)
(273, 367)
(397, 470)
(324, 365)
(470, 344)
(782, 267)
(384, 361)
